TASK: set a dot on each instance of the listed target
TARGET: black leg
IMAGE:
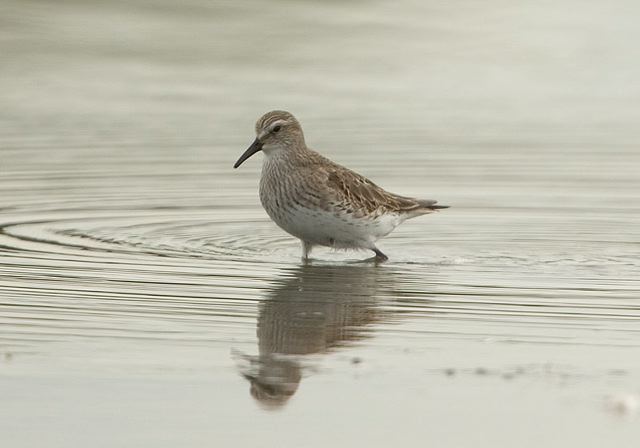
(306, 251)
(379, 255)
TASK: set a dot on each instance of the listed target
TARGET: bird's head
(276, 131)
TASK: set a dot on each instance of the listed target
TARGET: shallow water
(146, 299)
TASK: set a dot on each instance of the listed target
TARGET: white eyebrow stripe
(276, 122)
(268, 127)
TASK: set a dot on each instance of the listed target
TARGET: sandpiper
(317, 200)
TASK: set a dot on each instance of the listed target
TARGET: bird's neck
(284, 154)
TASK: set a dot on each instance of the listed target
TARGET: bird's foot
(380, 257)
(377, 259)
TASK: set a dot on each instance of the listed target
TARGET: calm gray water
(147, 300)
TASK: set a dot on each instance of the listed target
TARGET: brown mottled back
(346, 190)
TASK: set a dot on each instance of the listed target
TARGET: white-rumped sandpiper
(317, 200)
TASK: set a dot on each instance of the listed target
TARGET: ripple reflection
(310, 310)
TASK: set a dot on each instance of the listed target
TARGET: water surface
(146, 298)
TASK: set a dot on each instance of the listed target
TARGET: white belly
(321, 227)
(293, 203)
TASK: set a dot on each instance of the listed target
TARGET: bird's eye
(276, 128)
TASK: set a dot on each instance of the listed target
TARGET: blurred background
(146, 298)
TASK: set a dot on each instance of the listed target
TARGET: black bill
(251, 150)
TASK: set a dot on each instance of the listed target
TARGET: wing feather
(345, 191)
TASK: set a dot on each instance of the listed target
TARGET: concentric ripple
(183, 233)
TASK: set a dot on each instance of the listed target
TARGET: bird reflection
(311, 309)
